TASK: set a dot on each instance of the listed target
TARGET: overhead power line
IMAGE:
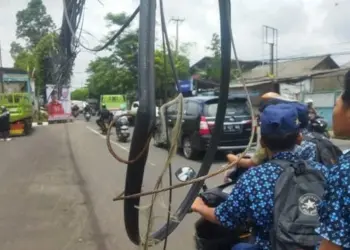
(111, 40)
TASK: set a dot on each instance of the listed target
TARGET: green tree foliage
(118, 72)
(16, 49)
(25, 60)
(35, 27)
(33, 23)
(46, 47)
(80, 94)
(213, 72)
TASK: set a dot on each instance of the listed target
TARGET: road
(57, 186)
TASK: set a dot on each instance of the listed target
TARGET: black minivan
(199, 121)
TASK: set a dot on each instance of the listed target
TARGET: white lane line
(113, 142)
(104, 137)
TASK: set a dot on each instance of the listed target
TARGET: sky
(305, 27)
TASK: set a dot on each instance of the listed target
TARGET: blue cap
(280, 119)
(303, 113)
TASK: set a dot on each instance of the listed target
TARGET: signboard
(58, 106)
(15, 77)
(185, 86)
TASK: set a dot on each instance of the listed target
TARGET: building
(292, 78)
(14, 80)
(207, 62)
(319, 78)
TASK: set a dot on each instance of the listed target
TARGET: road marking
(113, 142)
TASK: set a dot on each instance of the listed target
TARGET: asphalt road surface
(57, 186)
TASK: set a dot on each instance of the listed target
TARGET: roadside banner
(58, 104)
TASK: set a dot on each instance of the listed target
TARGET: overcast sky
(306, 27)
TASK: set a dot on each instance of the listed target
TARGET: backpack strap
(298, 166)
(314, 139)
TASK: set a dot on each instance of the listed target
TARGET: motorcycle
(122, 129)
(210, 236)
(87, 116)
(319, 125)
(75, 113)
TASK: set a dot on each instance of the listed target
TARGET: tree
(80, 94)
(118, 72)
(213, 72)
(25, 60)
(46, 47)
(16, 49)
(33, 23)
(34, 59)
(215, 45)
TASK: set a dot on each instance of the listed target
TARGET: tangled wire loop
(223, 168)
(110, 148)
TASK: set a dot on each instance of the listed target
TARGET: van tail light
(203, 126)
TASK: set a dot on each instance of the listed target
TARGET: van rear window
(233, 108)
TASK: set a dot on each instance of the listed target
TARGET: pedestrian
(5, 124)
(334, 210)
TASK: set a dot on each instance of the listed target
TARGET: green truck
(114, 103)
(16, 96)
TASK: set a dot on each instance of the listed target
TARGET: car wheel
(187, 149)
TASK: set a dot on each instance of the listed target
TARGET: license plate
(232, 128)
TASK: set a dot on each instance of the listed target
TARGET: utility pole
(1, 71)
(0, 56)
(177, 21)
(270, 38)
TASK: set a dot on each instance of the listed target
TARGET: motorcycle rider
(105, 115)
(252, 197)
(87, 109)
(75, 109)
(334, 211)
(311, 109)
(5, 124)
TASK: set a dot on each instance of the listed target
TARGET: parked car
(199, 121)
(133, 111)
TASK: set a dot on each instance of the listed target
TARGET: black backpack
(297, 192)
(327, 153)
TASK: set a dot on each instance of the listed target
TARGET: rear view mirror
(185, 174)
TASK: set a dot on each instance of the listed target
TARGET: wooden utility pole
(177, 21)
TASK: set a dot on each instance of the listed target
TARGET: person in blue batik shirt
(253, 195)
(334, 210)
(307, 149)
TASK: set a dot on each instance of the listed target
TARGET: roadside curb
(37, 124)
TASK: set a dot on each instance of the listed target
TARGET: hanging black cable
(145, 118)
(116, 35)
(135, 174)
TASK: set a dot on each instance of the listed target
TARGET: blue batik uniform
(334, 210)
(253, 195)
(307, 149)
(253, 198)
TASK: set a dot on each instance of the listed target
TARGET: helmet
(3, 108)
(309, 101)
